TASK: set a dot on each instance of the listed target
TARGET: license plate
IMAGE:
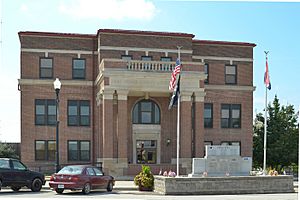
(60, 186)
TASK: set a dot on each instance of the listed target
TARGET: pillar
(122, 126)
(107, 118)
(199, 125)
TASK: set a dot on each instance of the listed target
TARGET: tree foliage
(282, 136)
(7, 151)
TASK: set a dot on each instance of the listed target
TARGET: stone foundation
(223, 185)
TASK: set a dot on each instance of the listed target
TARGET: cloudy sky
(273, 26)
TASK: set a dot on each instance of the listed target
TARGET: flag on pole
(174, 75)
(267, 76)
(175, 95)
(175, 84)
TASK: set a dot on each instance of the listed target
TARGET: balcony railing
(140, 65)
(137, 65)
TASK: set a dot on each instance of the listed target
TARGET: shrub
(144, 179)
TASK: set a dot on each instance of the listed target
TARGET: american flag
(174, 74)
(267, 76)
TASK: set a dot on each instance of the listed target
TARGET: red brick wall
(243, 134)
(30, 132)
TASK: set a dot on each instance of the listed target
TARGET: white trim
(231, 59)
(46, 54)
(229, 87)
(145, 49)
(58, 51)
(50, 82)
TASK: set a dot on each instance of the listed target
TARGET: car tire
(109, 186)
(59, 190)
(16, 188)
(0, 184)
(36, 185)
(87, 188)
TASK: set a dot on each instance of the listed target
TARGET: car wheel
(59, 190)
(16, 188)
(0, 184)
(87, 188)
(36, 185)
(110, 186)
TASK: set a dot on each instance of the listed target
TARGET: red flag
(267, 77)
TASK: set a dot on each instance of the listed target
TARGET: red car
(81, 177)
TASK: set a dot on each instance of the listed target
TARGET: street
(132, 195)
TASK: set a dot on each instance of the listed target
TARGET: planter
(142, 188)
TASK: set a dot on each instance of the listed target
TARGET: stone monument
(221, 161)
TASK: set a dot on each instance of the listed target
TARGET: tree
(282, 136)
(6, 151)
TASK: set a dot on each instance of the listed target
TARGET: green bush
(145, 178)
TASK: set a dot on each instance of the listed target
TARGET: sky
(273, 26)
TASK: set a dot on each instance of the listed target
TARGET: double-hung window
(46, 68)
(79, 150)
(45, 112)
(206, 72)
(45, 150)
(231, 116)
(208, 115)
(78, 69)
(78, 113)
(230, 74)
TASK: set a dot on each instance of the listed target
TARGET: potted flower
(145, 179)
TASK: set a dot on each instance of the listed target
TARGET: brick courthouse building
(114, 98)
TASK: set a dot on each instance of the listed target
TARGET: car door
(20, 173)
(92, 177)
(101, 182)
(5, 172)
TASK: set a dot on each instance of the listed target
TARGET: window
(230, 74)
(45, 112)
(78, 69)
(90, 171)
(166, 67)
(126, 57)
(147, 58)
(78, 150)
(146, 112)
(208, 115)
(46, 68)
(4, 164)
(206, 71)
(146, 151)
(231, 116)
(78, 113)
(147, 65)
(98, 172)
(45, 150)
(18, 165)
(166, 59)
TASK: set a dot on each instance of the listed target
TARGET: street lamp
(57, 85)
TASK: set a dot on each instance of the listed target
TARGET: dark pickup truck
(14, 174)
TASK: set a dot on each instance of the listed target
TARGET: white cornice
(50, 82)
(229, 87)
(58, 51)
(222, 58)
(145, 49)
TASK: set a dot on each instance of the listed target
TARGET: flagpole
(178, 123)
(265, 127)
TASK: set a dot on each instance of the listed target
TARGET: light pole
(57, 85)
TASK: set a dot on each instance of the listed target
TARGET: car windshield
(71, 170)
